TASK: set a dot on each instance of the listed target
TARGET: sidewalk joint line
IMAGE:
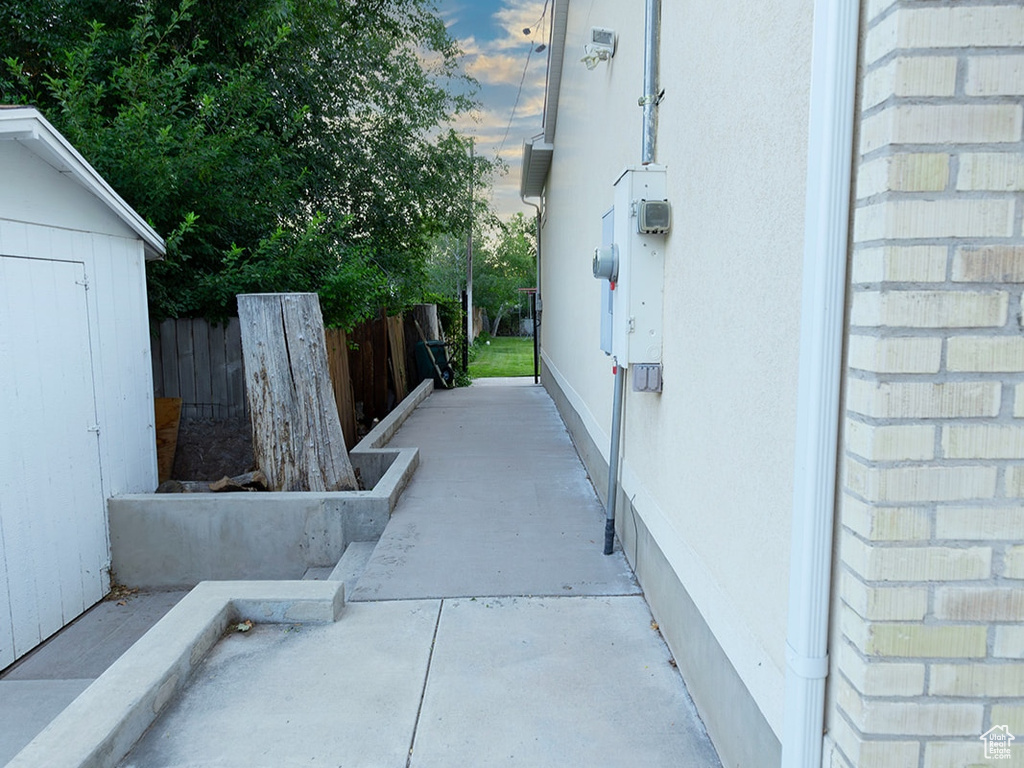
(423, 692)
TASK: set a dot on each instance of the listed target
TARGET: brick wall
(929, 648)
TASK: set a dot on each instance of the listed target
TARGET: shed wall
(103, 332)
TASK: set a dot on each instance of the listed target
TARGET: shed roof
(27, 125)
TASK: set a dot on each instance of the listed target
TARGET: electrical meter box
(641, 218)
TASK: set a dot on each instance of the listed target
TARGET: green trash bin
(425, 367)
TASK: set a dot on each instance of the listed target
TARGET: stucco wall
(708, 463)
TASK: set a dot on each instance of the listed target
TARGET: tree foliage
(276, 144)
(506, 264)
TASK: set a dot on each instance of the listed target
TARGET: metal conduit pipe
(652, 29)
(613, 460)
(649, 101)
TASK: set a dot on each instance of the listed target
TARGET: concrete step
(318, 573)
(353, 563)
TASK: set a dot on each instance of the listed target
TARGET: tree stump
(296, 434)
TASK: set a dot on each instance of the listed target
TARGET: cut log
(296, 434)
(250, 481)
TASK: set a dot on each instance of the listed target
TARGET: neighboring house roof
(27, 125)
(537, 151)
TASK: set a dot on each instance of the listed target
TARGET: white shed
(76, 391)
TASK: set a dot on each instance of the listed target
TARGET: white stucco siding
(598, 135)
(708, 463)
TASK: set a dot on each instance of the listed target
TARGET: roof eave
(27, 125)
(536, 163)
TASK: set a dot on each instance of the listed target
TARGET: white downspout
(826, 231)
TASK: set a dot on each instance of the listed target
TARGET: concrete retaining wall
(178, 540)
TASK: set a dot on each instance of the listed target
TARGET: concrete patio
(485, 628)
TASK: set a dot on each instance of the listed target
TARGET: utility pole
(469, 253)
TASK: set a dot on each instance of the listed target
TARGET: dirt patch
(209, 450)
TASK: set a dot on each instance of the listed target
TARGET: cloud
(495, 69)
(496, 54)
(520, 15)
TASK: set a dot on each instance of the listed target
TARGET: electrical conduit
(649, 101)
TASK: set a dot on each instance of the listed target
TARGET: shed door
(53, 535)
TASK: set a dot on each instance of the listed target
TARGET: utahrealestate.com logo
(997, 742)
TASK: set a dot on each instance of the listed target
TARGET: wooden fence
(201, 363)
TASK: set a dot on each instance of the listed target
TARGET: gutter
(556, 60)
(826, 238)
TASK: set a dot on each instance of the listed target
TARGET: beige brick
(927, 641)
(898, 563)
(960, 754)
(883, 603)
(889, 754)
(878, 85)
(867, 752)
(1009, 715)
(911, 400)
(885, 523)
(836, 760)
(904, 219)
(903, 173)
(989, 264)
(995, 76)
(890, 443)
(982, 441)
(1009, 642)
(999, 171)
(960, 27)
(881, 39)
(1013, 563)
(980, 523)
(930, 309)
(988, 680)
(919, 172)
(905, 354)
(985, 353)
(876, 7)
(921, 484)
(901, 264)
(941, 124)
(910, 718)
(1014, 486)
(980, 604)
(881, 678)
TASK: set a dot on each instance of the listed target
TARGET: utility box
(634, 251)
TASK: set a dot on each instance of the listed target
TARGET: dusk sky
(497, 55)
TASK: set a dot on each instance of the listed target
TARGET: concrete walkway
(486, 627)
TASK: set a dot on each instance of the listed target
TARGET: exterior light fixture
(600, 48)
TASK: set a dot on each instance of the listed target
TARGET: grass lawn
(504, 356)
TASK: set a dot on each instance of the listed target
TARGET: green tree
(276, 144)
(506, 264)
